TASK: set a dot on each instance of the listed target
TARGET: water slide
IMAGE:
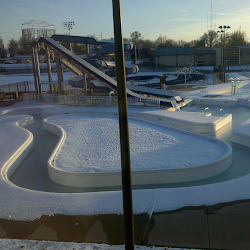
(96, 73)
(107, 47)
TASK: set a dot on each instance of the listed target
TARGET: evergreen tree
(13, 46)
(2, 49)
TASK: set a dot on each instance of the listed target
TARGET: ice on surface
(12, 244)
(23, 204)
(243, 129)
(92, 145)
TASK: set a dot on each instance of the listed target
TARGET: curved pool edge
(109, 179)
(32, 204)
(21, 152)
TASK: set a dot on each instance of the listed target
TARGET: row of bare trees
(209, 39)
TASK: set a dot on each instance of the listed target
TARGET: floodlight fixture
(68, 25)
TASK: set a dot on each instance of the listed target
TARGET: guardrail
(29, 86)
(243, 93)
(23, 87)
(76, 100)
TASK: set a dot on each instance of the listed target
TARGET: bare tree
(135, 36)
(182, 44)
(210, 38)
(237, 38)
(160, 40)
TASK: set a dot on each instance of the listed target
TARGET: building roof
(244, 49)
(174, 51)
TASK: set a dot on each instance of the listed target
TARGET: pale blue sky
(178, 19)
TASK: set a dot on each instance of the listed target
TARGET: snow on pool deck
(94, 145)
(22, 204)
(13, 244)
(88, 153)
(241, 134)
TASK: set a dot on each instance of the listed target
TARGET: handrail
(222, 111)
(207, 108)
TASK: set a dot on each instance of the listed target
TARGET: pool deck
(145, 173)
(241, 134)
(207, 216)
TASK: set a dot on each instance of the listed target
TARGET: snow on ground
(14, 78)
(9, 129)
(22, 204)
(223, 88)
(243, 129)
(187, 117)
(12, 244)
(25, 65)
(95, 146)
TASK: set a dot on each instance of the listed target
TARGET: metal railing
(77, 100)
(222, 112)
(29, 86)
(243, 93)
(208, 112)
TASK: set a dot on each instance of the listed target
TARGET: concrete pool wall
(21, 149)
(146, 177)
(241, 134)
(194, 122)
(19, 203)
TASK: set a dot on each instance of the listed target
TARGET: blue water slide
(75, 39)
(107, 47)
(96, 73)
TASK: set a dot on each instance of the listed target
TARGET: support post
(34, 68)
(85, 85)
(38, 70)
(124, 130)
(87, 57)
(49, 68)
(59, 74)
(87, 51)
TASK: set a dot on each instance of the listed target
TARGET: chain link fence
(77, 100)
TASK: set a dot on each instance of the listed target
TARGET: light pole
(68, 25)
(222, 29)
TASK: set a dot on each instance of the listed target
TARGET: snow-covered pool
(91, 145)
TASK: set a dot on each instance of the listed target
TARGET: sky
(180, 19)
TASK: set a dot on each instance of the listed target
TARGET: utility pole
(124, 131)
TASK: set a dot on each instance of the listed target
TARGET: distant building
(191, 57)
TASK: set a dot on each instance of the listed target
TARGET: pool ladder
(222, 112)
(208, 112)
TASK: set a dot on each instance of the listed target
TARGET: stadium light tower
(222, 30)
(68, 25)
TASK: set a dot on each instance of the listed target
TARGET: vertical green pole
(124, 131)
